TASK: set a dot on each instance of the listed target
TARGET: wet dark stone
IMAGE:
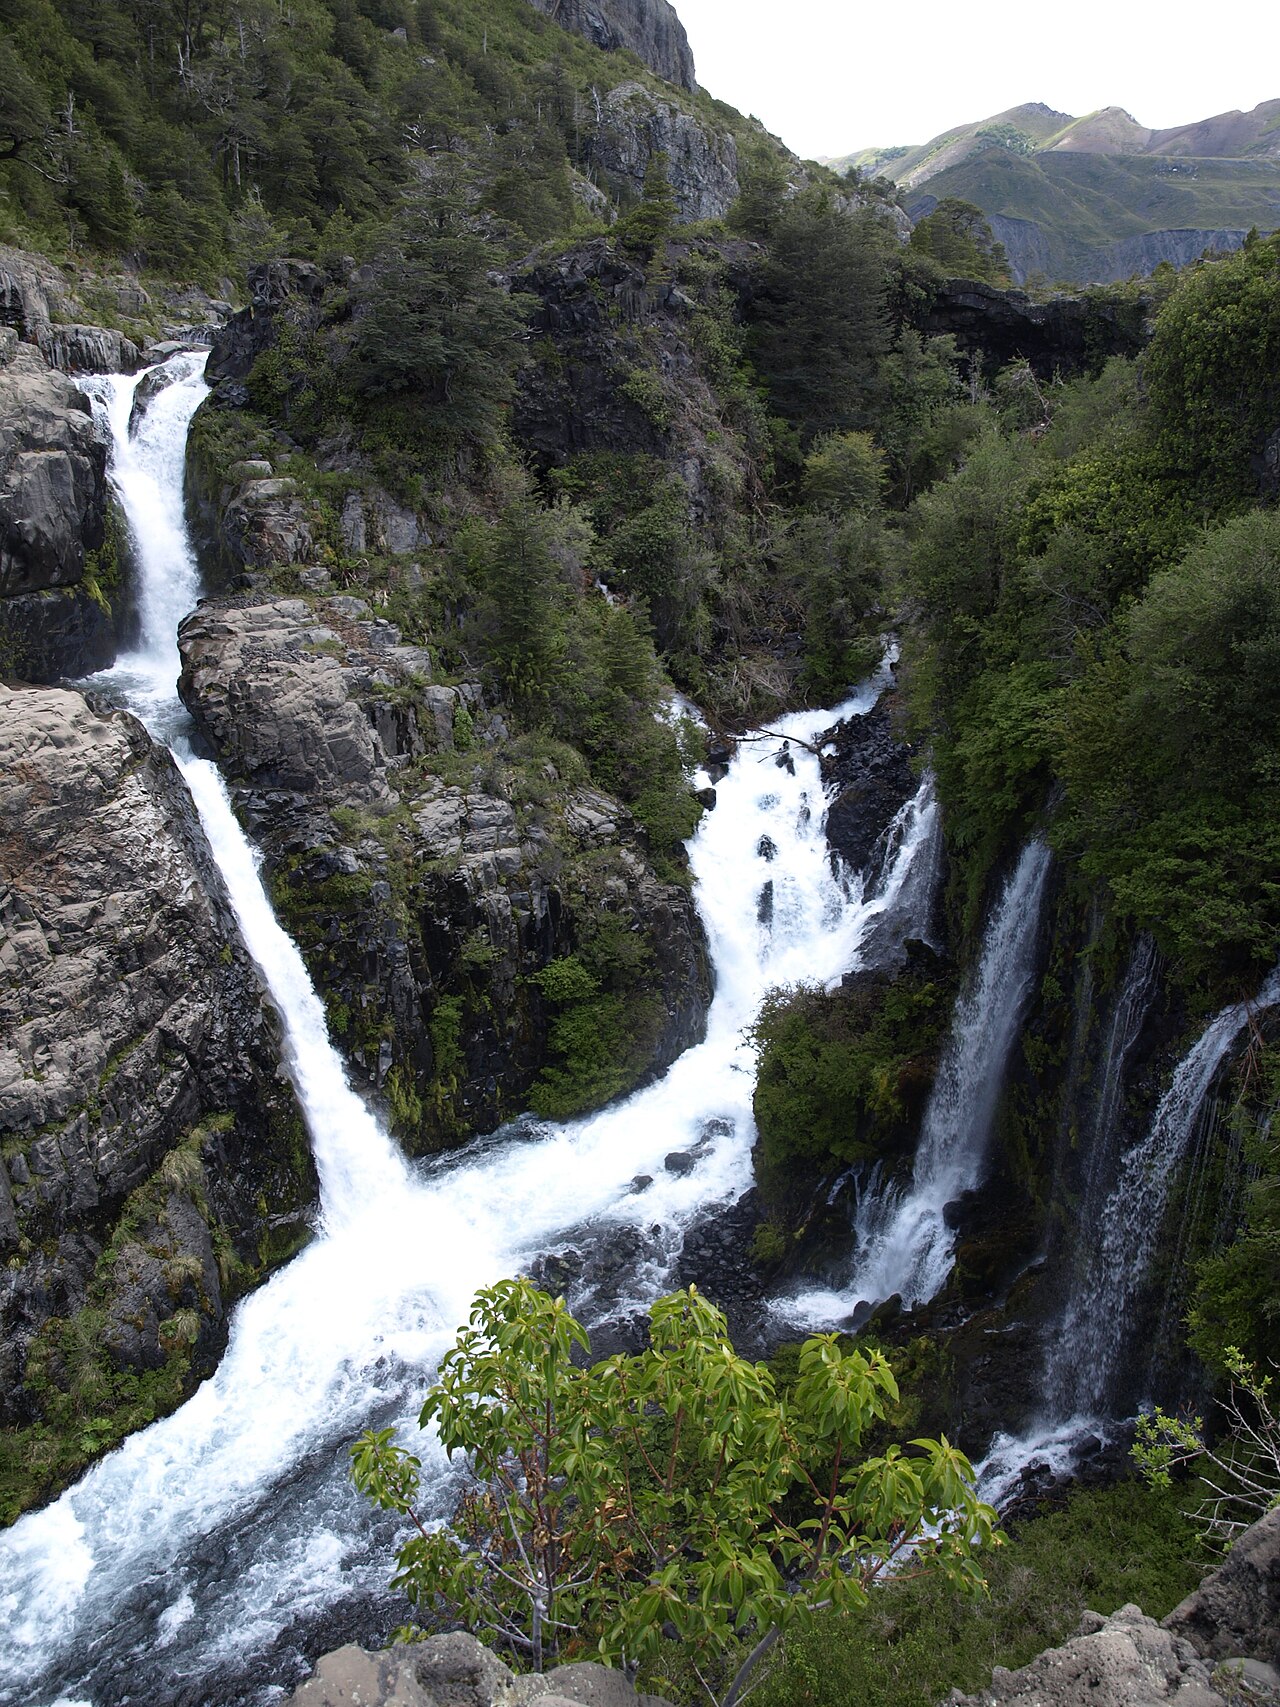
(767, 848)
(785, 762)
(641, 1182)
(679, 1162)
(706, 798)
(764, 906)
(868, 765)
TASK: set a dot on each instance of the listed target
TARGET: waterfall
(1069, 1376)
(224, 1543)
(1093, 1342)
(1098, 1316)
(903, 1243)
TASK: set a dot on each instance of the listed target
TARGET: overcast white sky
(831, 76)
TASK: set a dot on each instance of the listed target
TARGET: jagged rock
(457, 1671)
(32, 292)
(88, 349)
(869, 766)
(1219, 1648)
(1065, 336)
(633, 124)
(288, 697)
(649, 28)
(129, 1015)
(1236, 1609)
(52, 512)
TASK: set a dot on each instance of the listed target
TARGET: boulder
(1219, 1648)
(1126, 1660)
(1236, 1609)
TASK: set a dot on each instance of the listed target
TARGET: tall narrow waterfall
(904, 1245)
(223, 1544)
(1098, 1319)
(1095, 1338)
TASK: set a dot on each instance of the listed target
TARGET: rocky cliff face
(1031, 250)
(429, 867)
(151, 1161)
(648, 28)
(57, 585)
(632, 124)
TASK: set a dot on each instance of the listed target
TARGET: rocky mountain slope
(1101, 197)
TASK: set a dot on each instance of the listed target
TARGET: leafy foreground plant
(670, 1493)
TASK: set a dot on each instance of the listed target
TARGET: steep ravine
(254, 1552)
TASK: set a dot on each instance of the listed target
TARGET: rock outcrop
(1236, 1609)
(152, 1163)
(1219, 1648)
(648, 28)
(1065, 336)
(429, 870)
(73, 348)
(56, 583)
(1126, 1660)
(632, 124)
(868, 768)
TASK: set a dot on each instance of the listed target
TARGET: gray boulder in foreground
(457, 1671)
(1219, 1648)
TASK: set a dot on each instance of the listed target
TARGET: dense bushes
(844, 1074)
(1095, 625)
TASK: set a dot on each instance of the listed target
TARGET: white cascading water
(190, 1564)
(1096, 1329)
(903, 1244)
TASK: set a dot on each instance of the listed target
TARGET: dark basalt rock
(1067, 335)
(869, 766)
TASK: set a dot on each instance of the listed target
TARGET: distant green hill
(1100, 197)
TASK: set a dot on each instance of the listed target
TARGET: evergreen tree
(433, 332)
(821, 326)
